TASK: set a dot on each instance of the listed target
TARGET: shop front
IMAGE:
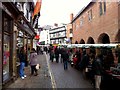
(7, 27)
(11, 40)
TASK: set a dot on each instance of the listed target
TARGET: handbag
(86, 69)
(38, 66)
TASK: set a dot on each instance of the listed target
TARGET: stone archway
(82, 41)
(76, 42)
(104, 39)
(90, 40)
(117, 38)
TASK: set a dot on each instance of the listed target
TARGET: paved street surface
(52, 75)
(70, 78)
(43, 80)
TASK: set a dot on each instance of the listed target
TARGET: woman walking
(33, 62)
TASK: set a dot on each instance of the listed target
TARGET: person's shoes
(25, 76)
(22, 78)
(35, 74)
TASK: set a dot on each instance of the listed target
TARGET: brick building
(98, 22)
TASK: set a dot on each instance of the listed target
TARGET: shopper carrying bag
(33, 62)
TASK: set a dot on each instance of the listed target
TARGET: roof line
(82, 10)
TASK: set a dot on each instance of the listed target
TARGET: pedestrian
(22, 58)
(85, 62)
(65, 59)
(52, 55)
(98, 70)
(61, 52)
(33, 62)
(57, 54)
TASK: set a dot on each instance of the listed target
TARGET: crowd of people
(91, 61)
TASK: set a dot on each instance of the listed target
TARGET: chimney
(71, 17)
(55, 24)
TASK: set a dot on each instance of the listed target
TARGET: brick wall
(106, 23)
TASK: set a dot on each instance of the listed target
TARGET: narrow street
(51, 75)
(70, 78)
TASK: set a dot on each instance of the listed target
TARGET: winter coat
(22, 57)
(33, 59)
(65, 56)
(84, 61)
(97, 67)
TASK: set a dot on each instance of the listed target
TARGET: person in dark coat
(85, 62)
(22, 58)
(57, 54)
(61, 52)
(65, 59)
(97, 70)
(52, 55)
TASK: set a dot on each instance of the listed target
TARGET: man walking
(65, 59)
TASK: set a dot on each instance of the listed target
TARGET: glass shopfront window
(6, 57)
(7, 61)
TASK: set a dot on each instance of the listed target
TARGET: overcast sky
(58, 11)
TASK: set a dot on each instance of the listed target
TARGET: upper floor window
(102, 7)
(81, 21)
(90, 15)
(71, 31)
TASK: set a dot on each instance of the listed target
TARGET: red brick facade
(101, 28)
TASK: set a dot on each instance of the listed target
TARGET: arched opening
(82, 41)
(90, 40)
(76, 42)
(117, 38)
(104, 38)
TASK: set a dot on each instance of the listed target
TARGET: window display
(6, 57)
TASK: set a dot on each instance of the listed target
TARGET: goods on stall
(115, 70)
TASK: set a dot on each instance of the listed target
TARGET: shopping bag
(38, 66)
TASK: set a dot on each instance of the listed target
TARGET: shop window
(6, 57)
(7, 27)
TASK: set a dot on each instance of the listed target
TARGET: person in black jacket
(22, 58)
(57, 54)
(97, 70)
(65, 59)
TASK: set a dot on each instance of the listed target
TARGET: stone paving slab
(43, 79)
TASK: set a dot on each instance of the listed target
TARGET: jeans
(21, 72)
(65, 65)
